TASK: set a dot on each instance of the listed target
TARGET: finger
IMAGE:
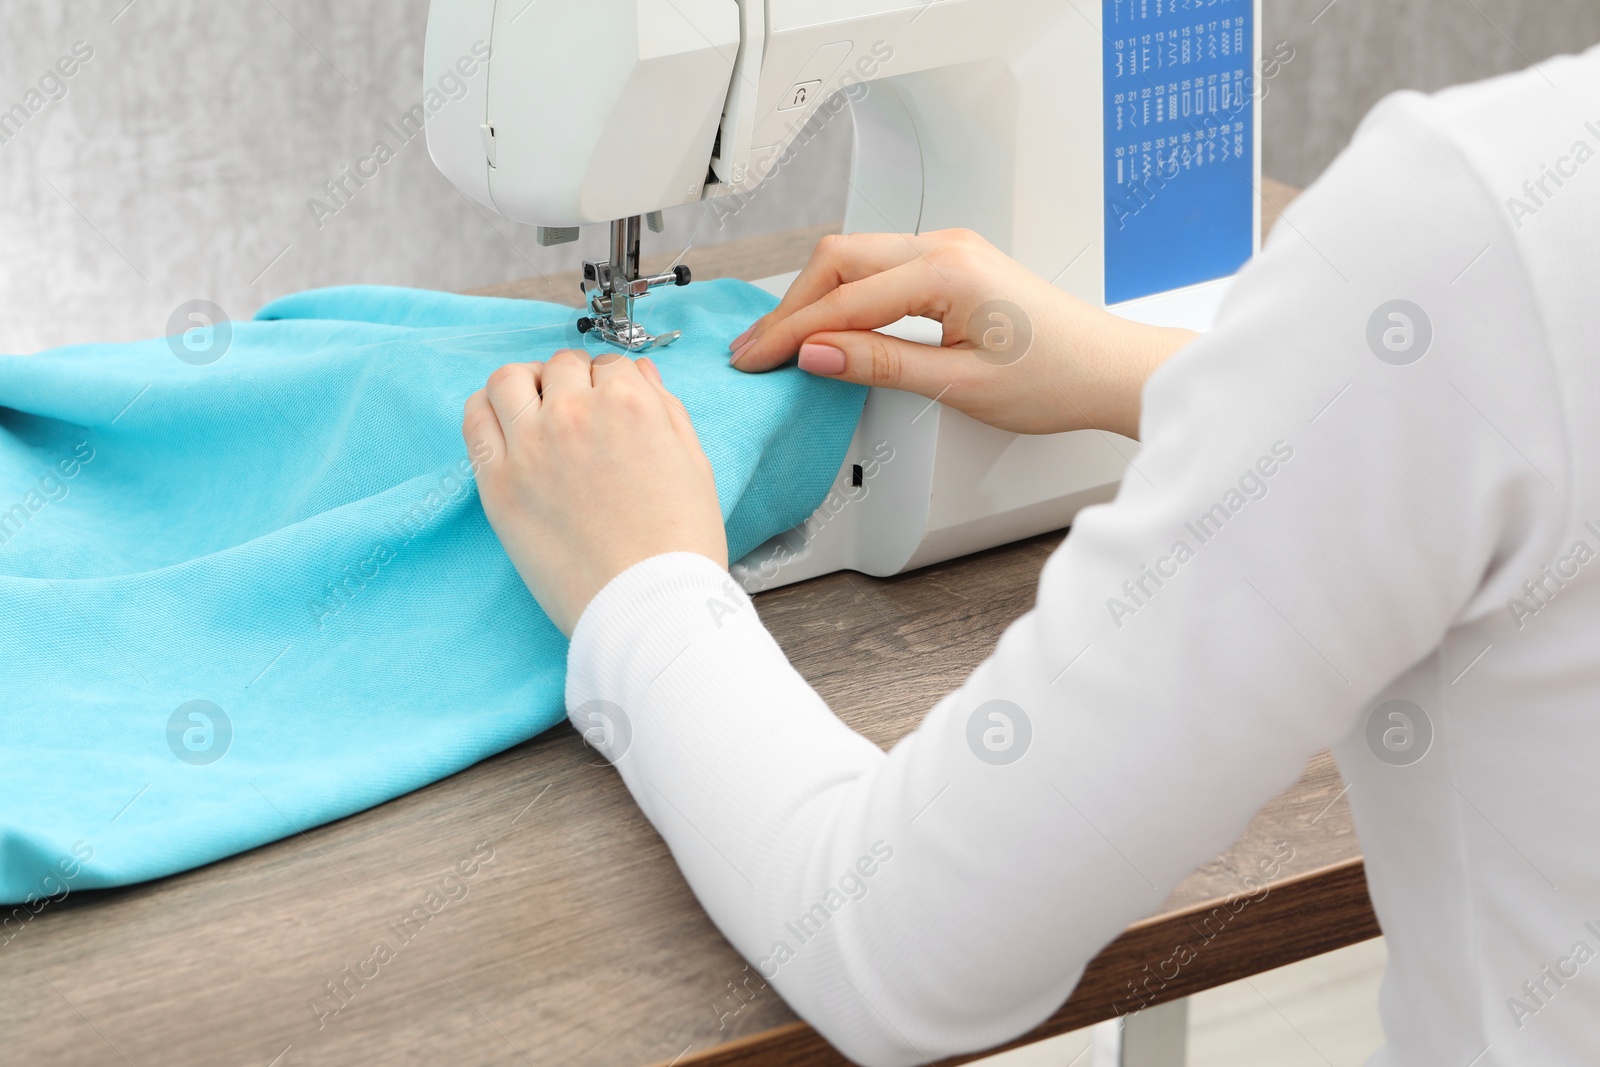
(648, 368)
(612, 367)
(837, 260)
(675, 409)
(871, 358)
(913, 288)
(512, 391)
(480, 428)
(567, 372)
(617, 374)
(652, 374)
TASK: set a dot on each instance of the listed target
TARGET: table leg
(1153, 1037)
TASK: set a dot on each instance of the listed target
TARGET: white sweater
(1313, 532)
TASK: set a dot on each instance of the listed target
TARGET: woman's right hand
(1016, 353)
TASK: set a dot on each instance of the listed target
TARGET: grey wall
(1352, 52)
(179, 162)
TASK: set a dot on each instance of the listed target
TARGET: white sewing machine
(1108, 145)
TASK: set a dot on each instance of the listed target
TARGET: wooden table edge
(1338, 892)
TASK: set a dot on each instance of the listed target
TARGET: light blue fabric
(285, 533)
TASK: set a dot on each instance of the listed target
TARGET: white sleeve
(1304, 521)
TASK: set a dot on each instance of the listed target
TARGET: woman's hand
(1017, 352)
(590, 468)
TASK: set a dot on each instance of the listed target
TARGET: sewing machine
(1108, 145)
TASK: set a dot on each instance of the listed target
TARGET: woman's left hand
(586, 468)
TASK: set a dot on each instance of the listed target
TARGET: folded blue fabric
(245, 597)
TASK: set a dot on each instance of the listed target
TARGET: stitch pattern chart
(1179, 142)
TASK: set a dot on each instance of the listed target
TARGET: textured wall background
(1350, 53)
(177, 161)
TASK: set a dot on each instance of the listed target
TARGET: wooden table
(579, 943)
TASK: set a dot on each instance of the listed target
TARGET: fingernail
(737, 352)
(821, 359)
(733, 345)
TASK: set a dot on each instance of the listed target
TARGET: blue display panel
(1179, 142)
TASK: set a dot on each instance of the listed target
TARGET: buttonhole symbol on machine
(199, 333)
(1399, 333)
(999, 332)
(199, 733)
(999, 732)
(605, 727)
(1399, 733)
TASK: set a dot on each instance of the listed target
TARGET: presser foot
(630, 336)
(618, 286)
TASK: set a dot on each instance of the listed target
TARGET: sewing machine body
(1009, 117)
